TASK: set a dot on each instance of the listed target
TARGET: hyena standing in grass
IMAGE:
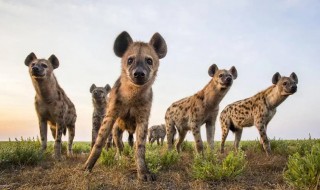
(99, 100)
(52, 105)
(131, 97)
(157, 132)
(257, 110)
(201, 108)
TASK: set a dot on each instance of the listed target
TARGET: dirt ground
(261, 173)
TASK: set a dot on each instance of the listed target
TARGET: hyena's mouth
(38, 75)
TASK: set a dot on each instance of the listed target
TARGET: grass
(24, 166)
(303, 171)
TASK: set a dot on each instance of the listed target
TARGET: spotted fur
(52, 105)
(257, 110)
(131, 96)
(202, 108)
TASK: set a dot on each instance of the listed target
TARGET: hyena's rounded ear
(276, 77)
(122, 43)
(30, 58)
(93, 86)
(108, 88)
(294, 77)
(54, 61)
(212, 69)
(234, 72)
(159, 45)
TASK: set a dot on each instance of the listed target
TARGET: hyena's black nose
(35, 69)
(139, 74)
(228, 79)
(293, 88)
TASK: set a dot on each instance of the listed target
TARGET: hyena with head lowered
(157, 132)
(99, 100)
(52, 105)
(201, 108)
(131, 96)
(257, 110)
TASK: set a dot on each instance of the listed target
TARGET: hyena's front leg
(57, 142)
(104, 132)
(71, 133)
(197, 137)
(211, 128)
(265, 140)
(95, 129)
(141, 136)
(43, 133)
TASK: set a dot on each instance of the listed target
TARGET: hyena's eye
(130, 61)
(44, 65)
(284, 83)
(221, 75)
(149, 61)
(32, 64)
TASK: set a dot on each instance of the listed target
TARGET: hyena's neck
(46, 89)
(130, 91)
(99, 106)
(213, 94)
(273, 97)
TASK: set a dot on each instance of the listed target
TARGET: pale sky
(259, 38)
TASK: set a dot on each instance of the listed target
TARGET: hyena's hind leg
(171, 131)
(71, 133)
(225, 130)
(109, 142)
(182, 135)
(130, 140)
(238, 134)
(117, 138)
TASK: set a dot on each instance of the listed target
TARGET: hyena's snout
(38, 71)
(140, 75)
(293, 88)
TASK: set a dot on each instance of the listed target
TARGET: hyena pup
(157, 132)
(131, 96)
(52, 105)
(257, 110)
(201, 108)
(99, 101)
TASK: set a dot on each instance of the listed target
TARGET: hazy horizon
(258, 38)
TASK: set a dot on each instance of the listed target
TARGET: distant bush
(210, 167)
(20, 152)
(80, 147)
(303, 172)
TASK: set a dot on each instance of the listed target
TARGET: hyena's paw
(147, 176)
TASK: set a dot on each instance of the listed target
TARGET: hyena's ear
(30, 58)
(233, 72)
(294, 77)
(54, 61)
(122, 43)
(159, 45)
(212, 69)
(93, 86)
(108, 88)
(276, 77)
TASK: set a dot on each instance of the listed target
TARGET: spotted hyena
(157, 132)
(201, 108)
(257, 110)
(52, 105)
(131, 96)
(99, 101)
